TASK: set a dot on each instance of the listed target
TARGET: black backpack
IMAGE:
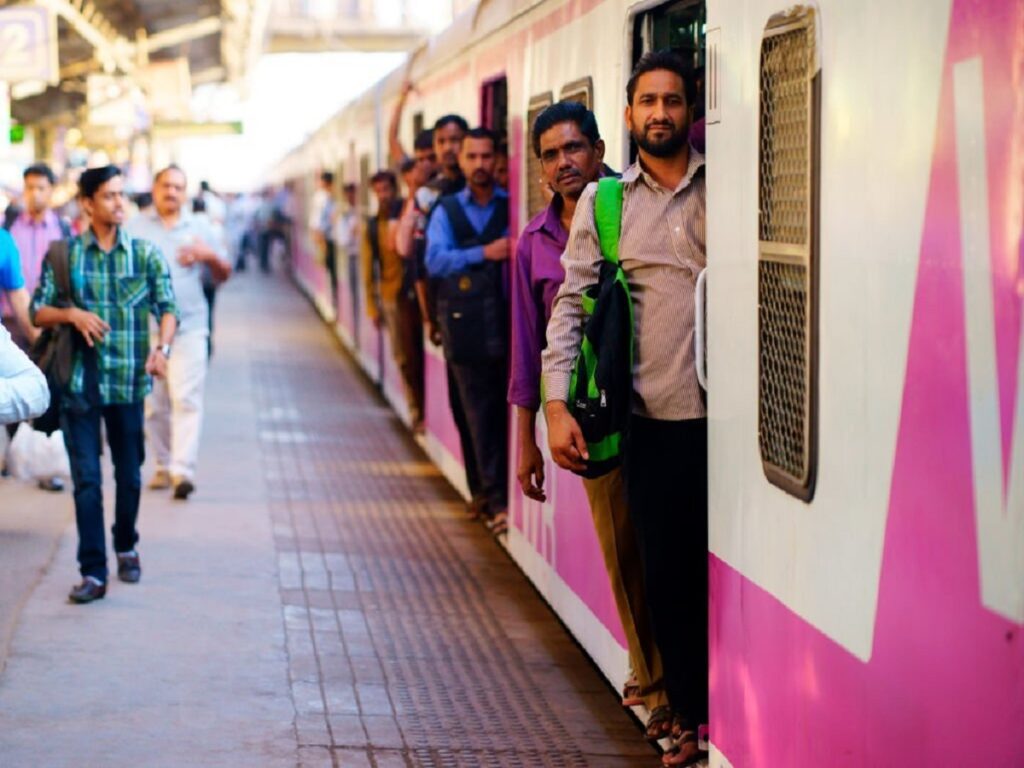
(601, 385)
(471, 307)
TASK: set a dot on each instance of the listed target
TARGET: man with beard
(662, 251)
(571, 151)
(448, 134)
(467, 241)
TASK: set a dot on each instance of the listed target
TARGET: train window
(535, 201)
(679, 26)
(364, 182)
(581, 90)
(788, 158)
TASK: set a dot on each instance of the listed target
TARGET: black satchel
(54, 351)
(471, 307)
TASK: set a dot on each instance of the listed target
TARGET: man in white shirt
(23, 390)
(175, 407)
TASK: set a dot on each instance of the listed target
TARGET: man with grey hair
(191, 248)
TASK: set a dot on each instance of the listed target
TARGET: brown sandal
(659, 726)
(631, 693)
(685, 751)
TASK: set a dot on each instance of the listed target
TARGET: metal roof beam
(183, 34)
(111, 48)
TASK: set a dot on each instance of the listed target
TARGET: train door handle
(700, 351)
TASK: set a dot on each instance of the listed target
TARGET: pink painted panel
(438, 417)
(945, 682)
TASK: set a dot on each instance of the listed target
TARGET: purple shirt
(536, 276)
(33, 239)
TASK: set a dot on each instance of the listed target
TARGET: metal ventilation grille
(785, 128)
(787, 430)
(783, 321)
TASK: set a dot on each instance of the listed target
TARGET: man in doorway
(662, 251)
(571, 152)
(424, 162)
(467, 243)
(321, 229)
(120, 284)
(175, 408)
(346, 238)
(33, 230)
(385, 286)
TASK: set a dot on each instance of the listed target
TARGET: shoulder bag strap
(58, 255)
(608, 217)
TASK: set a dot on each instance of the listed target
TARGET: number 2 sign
(28, 45)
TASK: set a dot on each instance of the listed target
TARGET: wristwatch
(165, 350)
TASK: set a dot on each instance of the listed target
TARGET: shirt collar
(122, 239)
(549, 220)
(635, 173)
(49, 219)
(467, 195)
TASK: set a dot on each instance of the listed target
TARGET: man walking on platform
(117, 284)
(662, 250)
(191, 248)
(571, 151)
(467, 241)
(33, 230)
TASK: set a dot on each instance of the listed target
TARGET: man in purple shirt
(38, 225)
(567, 141)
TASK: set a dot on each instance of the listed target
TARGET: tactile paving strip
(412, 639)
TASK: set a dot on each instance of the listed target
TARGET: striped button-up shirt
(123, 287)
(662, 252)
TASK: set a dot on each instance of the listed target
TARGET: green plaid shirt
(123, 287)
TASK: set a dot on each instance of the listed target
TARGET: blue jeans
(81, 424)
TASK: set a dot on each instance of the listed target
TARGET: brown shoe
(160, 481)
(90, 589)
(183, 488)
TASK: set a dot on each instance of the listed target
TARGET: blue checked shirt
(123, 287)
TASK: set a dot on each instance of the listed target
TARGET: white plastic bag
(34, 456)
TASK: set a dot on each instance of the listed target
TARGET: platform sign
(28, 45)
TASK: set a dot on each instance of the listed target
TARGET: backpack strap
(58, 255)
(608, 216)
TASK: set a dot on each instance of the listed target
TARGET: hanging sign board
(28, 45)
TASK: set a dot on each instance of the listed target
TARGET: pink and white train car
(864, 352)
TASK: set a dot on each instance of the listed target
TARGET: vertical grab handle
(700, 329)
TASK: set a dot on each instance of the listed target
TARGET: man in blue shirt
(12, 283)
(467, 247)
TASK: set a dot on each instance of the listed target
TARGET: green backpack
(601, 385)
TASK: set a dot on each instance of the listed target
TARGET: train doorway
(675, 461)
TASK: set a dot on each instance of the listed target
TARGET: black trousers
(482, 388)
(666, 467)
(331, 263)
(465, 436)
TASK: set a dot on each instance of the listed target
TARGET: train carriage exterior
(864, 354)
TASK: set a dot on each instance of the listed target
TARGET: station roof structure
(219, 40)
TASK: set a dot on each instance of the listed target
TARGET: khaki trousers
(607, 495)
